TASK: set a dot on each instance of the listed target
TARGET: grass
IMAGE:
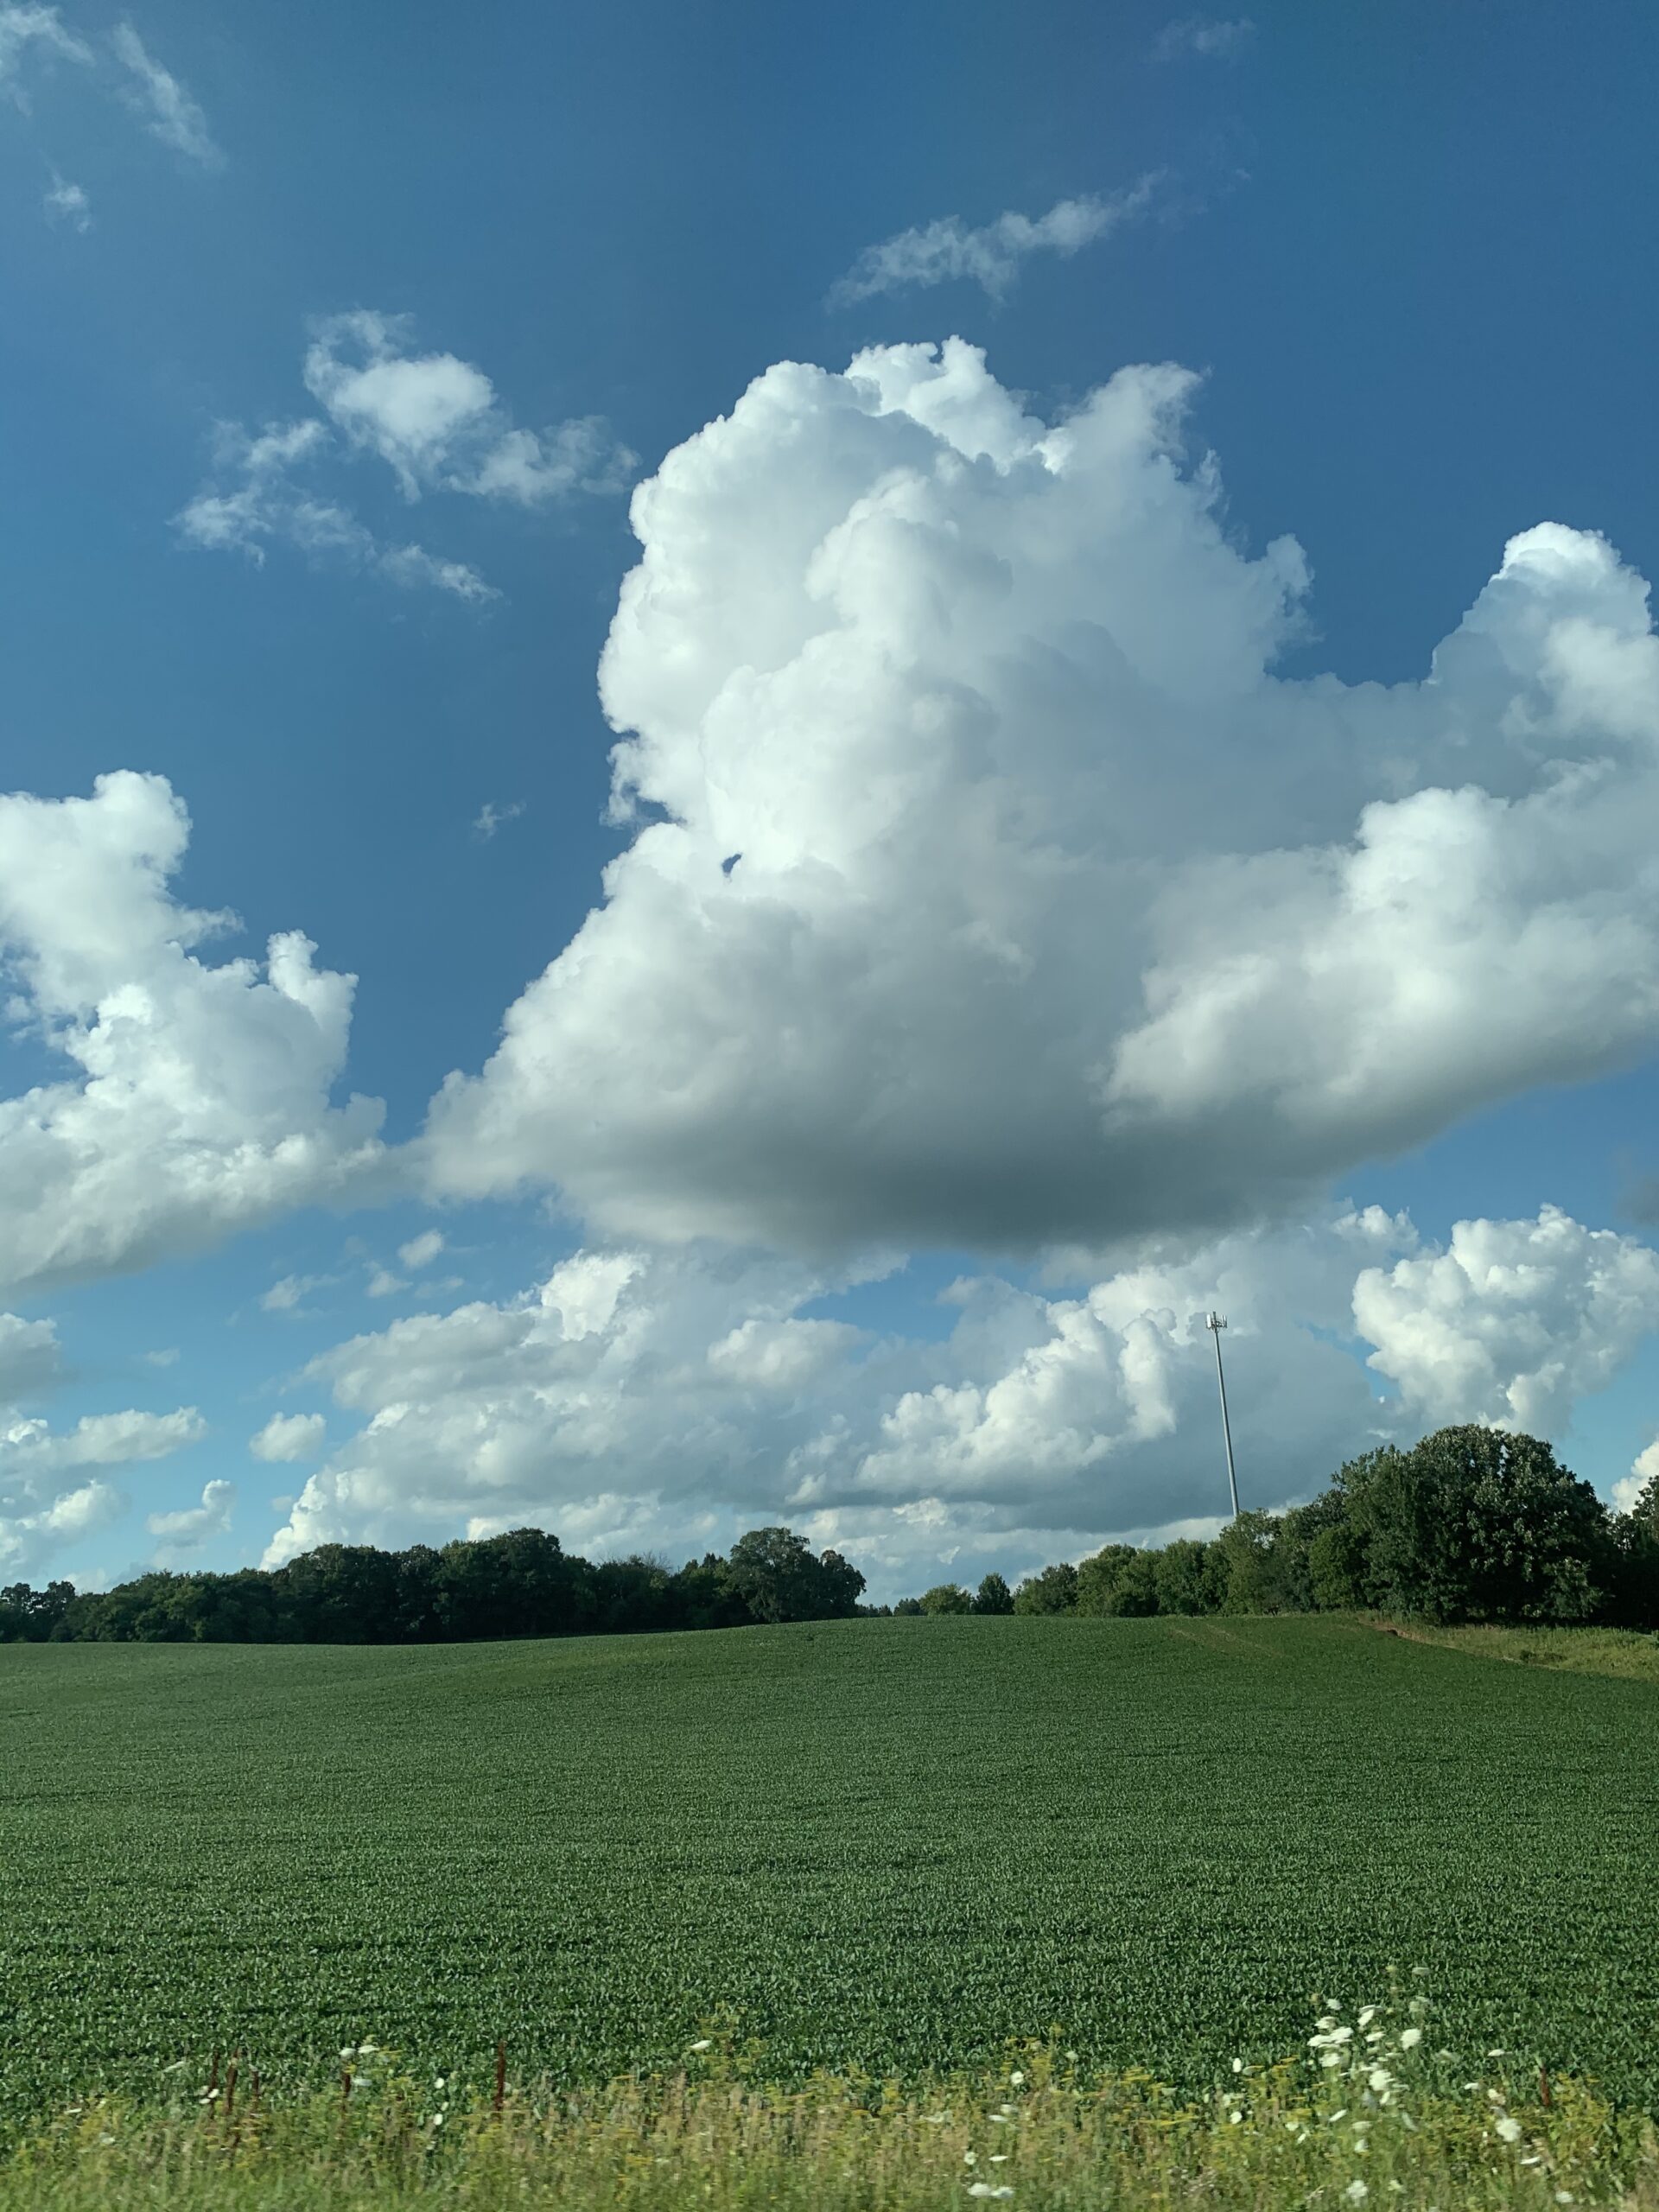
(1630, 1654)
(886, 1846)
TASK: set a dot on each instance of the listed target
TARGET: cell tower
(1216, 1323)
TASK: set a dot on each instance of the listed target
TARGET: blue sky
(1397, 246)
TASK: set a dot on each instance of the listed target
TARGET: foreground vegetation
(880, 1845)
(1376, 2110)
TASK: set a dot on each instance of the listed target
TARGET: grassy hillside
(894, 1842)
(1631, 1653)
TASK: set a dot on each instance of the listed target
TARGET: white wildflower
(1368, 2016)
(1380, 2078)
(1330, 2058)
(1356, 2192)
(1509, 2129)
(1564, 2197)
(970, 2157)
(1410, 2038)
(1017, 2079)
(1238, 2066)
(705, 2043)
(985, 2189)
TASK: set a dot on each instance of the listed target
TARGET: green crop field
(899, 1843)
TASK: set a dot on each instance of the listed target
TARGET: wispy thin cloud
(991, 256)
(1210, 38)
(67, 203)
(25, 29)
(432, 418)
(491, 816)
(255, 498)
(437, 424)
(168, 112)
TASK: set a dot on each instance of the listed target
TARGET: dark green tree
(775, 1574)
(1178, 1576)
(946, 1597)
(1053, 1590)
(1476, 1524)
(993, 1595)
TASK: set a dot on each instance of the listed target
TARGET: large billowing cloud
(1513, 1323)
(666, 1399)
(199, 1101)
(989, 888)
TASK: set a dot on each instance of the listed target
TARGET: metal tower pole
(1216, 1323)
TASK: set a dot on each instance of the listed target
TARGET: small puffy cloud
(27, 30)
(167, 1358)
(1056, 912)
(421, 1250)
(290, 1436)
(168, 112)
(949, 249)
(255, 497)
(67, 203)
(1210, 38)
(49, 1500)
(288, 1293)
(384, 1284)
(435, 420)
(188, 1530)
(30, 1359)
(490, 818)
(1513, 1323)
(199, 1101)
(665, 1399)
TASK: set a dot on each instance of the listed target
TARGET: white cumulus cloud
(1644, 1470)
(1513, 1323)
(193, 1526)
(290, 1436)
(421, 1250)
(991, 254)
(199, 1101)
(31, 1358)
(49, 1499)
(990, 888)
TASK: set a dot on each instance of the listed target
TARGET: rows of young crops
(897, 1843)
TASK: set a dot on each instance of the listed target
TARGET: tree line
(520, 1584)
(1471, 1524)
